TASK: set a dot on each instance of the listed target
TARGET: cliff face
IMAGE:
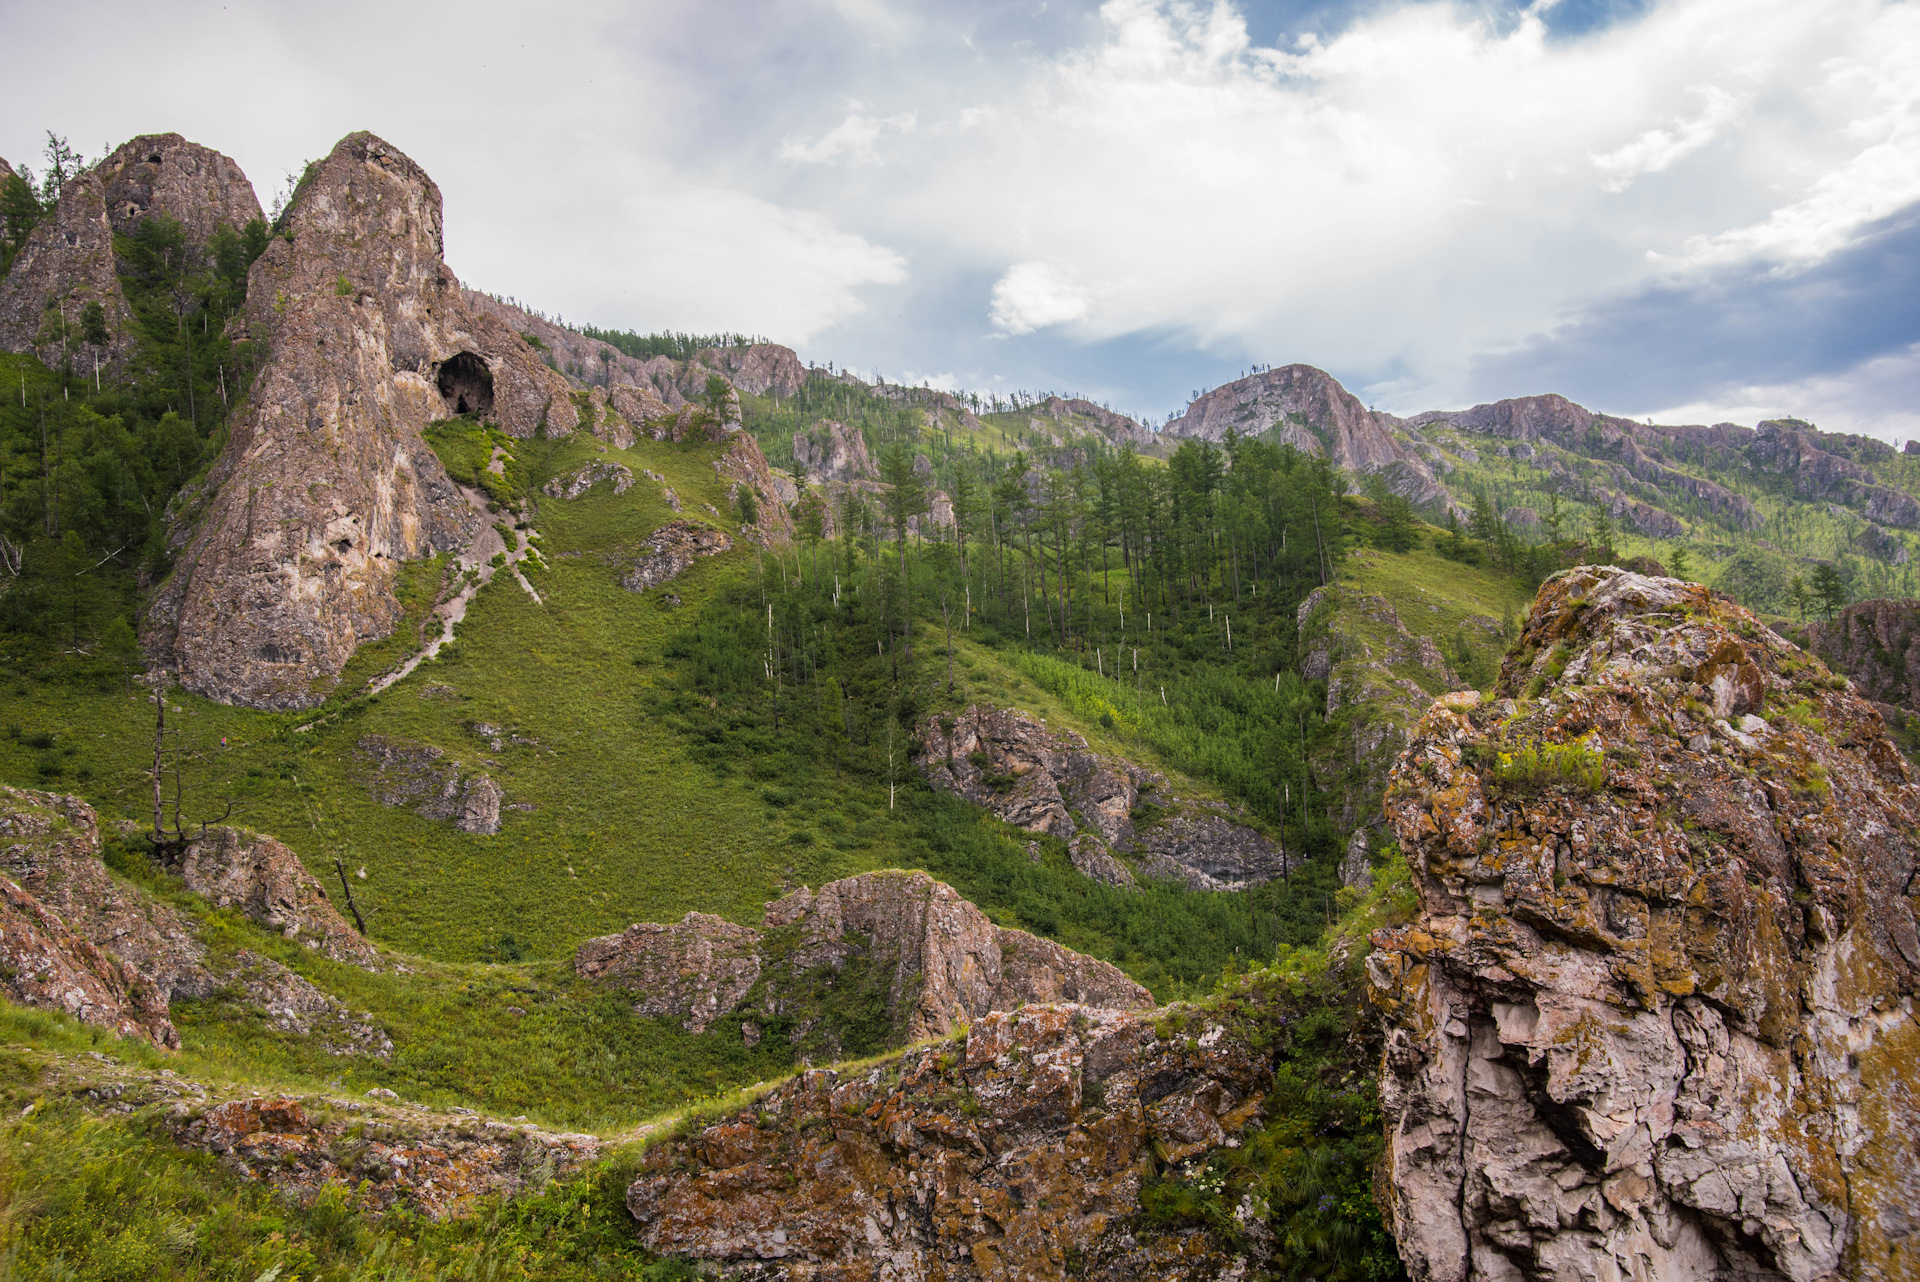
(68, 260)
(1877, 644)
(1656, 1017)
(325, 483)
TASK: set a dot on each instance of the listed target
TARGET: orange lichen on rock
(1656, 1017)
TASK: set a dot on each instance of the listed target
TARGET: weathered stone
(165, 175)
(44, 964)
(669, 551)
(326, 484)
(942, 961)
(1657, 1008)
(424, 779)
(833, 451)
(232, 867)
(577, 482)
(883, 1174)
(1877, 644)
(1040, 780)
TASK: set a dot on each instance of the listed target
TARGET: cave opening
(466, 384)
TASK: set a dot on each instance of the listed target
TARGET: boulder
(423, 779)
(577, 482)
(697, 970)
(1051, 782)
(1657, 1005)
(325, 484)
(669, 550)
(252, 872)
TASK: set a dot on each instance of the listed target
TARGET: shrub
(1538, 766)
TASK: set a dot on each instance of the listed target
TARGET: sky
(1685, 210)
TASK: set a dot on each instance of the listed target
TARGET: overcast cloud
(1693, 208)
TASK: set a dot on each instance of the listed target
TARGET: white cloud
(852, 140)
(1035, 295)
(946, 382)
(1657, 149)
(1875, 398)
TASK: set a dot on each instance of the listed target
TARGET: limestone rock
(698, 969)
(940, 960)
(833, 451)
(1658, 1006)
(758, 368)
(881, 1173)
(164, 174)
(66, 264)
(1040, 780)
(326, 484)
(294, 1005)
(744, 465)
(640, 406)
(422, 778)
(668, 552)
(233, 867)
(49, 966)
(581, 479)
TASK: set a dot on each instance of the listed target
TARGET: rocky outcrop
(697, 970)
(1655, 1018)
(573, 484)
(422, 778)
(80, 940)
(260, 877)
(758, 368)
(1051, 782)
(833, 451)
(1308, 409)
(1116, 428)
(1877, 644)
(744, 466)
(669, 551)
(1016, 1152)
(1792, 449)
(68, 260)
(932, 958)
(325, 484)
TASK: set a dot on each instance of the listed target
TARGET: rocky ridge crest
(1656, 1017)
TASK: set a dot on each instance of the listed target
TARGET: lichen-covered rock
(745, 466)
(1014, 1152)
(45, 964)
(1051, 782)
(698, 969)
(250, 871)
(758, 368)
(326, 484)
(938, 960)
(165, 175)
(1655, 1019)
(1877, 644)
(422, 778)
(573, 484)
(668, 552)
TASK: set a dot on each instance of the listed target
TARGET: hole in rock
(154, 159)
(466, 384)
(344, 545)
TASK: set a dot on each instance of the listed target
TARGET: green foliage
(667, 343)
(481, 456)
(1534, 767)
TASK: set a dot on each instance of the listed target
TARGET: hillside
(467, 775)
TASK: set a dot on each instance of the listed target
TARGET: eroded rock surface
(833, 451)
(1051, 782)
(1877, 644)
(423, 779)
(936, 960)
(1015, 1152)
(326, 483)
(250, 871)
(1655, 1019)
(669, 550)
(577, 482)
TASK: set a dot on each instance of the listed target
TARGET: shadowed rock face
(1877, 644)
(325, 484)
(1658, 1004)
(1038, 780)
(940, 960)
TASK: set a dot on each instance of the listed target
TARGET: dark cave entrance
(466, 384)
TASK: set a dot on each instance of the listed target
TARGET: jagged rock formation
(938, 961)
(422, 778)
(833, 451)
(744, 466)
(68, 260)
(325, 483)
(1016, 1152)
(252, 872)
(1052, 782)
(1792, 449)
(1306, 408)
(78, 939)
(1117, 428)
(758, 368)
(669, 551)
(1656, 1017)
(1877, 644)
